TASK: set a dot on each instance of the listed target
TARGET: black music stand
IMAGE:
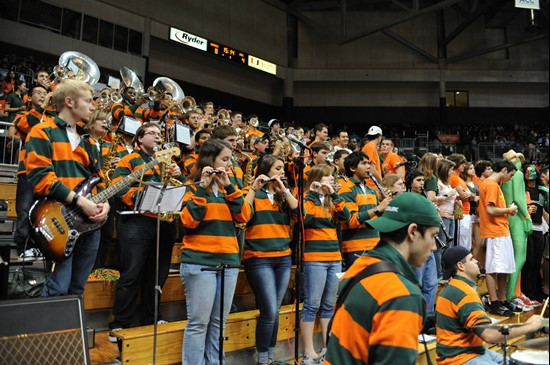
(221, 268)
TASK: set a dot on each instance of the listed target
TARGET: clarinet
(448, 238)
(382, 191)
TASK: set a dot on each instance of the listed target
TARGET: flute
(273, 179)
(382, 191)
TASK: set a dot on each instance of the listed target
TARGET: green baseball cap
(405, 209)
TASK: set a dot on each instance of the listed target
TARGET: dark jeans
(24, 198)
(268, 278)
(531, 280)
(137, 238)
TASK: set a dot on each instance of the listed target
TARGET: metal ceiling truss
(407, 10)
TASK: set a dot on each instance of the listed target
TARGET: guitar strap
(88, 146)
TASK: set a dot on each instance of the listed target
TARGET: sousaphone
(77, 66)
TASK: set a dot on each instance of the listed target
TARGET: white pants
(465, 232)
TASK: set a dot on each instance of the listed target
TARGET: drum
(529, 357)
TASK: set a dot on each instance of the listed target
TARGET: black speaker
(43, 331)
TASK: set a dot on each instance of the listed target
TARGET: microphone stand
(221, 269)
(299, 161)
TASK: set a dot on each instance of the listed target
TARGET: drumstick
(544, 307)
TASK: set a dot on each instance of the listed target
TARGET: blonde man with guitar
(59, 158)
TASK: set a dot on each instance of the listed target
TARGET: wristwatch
(376, 211)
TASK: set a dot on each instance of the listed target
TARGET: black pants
(137, 237)
(107, 232)
(531, 280)
(24, 198)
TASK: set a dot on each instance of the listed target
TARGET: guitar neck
(115, 188)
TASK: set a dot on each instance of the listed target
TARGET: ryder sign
(191, 40)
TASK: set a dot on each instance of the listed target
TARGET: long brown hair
(316, 173)
(428, 164)
(207, 154)
(443, 168)
(264, 165)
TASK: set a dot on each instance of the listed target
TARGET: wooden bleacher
(137, 343)
(99, 294)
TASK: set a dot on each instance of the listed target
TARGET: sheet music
(171, 201)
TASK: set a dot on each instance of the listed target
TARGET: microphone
(406, 163)
(293, 139)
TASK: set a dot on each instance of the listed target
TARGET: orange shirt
(492, 226)
(370, 150)
(455, 181)
(389, 166)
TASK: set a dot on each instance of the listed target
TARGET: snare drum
(529, 357)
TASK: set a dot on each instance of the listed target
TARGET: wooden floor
(103, 351)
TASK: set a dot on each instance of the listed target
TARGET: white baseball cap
(272, 121)
(374, 130)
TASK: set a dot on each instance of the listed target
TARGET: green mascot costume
(521, 225)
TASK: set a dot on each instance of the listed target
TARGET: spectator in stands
(493, 216)
(320, 132)
(342, 140)
(374, 137)
(391, 160)
(446, 205)
(8, 84)
(464, 230)
(14, 101)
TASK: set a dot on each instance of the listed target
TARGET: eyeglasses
(153, 134)
(39, 93)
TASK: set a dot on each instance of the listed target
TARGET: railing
(10, 145)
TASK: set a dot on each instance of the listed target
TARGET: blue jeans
(427, 277)
(203, 295)
(489, 358)
(268, 278)
(320, 288)
(70, 276)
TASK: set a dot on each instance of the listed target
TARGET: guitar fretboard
(115, 188)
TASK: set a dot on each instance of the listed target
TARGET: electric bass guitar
(56, 226)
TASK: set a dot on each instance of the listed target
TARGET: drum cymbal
(540, 343)
(498, 326)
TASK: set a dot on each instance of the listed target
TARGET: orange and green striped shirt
(356, 236)
(53, 168)
(458, 310)
(320, 228)
(210, 236)
(382, 316)
(268, 230)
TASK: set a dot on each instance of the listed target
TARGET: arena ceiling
(496, 14)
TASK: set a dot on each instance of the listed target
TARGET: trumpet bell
(116, 97)
(83, 67)
(131, 79)
(165, 85)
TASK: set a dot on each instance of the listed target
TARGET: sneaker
(514, 307)
(323, 355)
(521, 304)
(530, 302)
(161, 321)
(500, 310)
(111, 337)
(308, 360)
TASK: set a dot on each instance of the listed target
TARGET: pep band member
(137, 235)
(213, 205)
(57, 161)
(325, 209)
(266, 249)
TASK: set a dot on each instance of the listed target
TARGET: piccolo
(217, 172)
(382, 191)
(273, 179)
